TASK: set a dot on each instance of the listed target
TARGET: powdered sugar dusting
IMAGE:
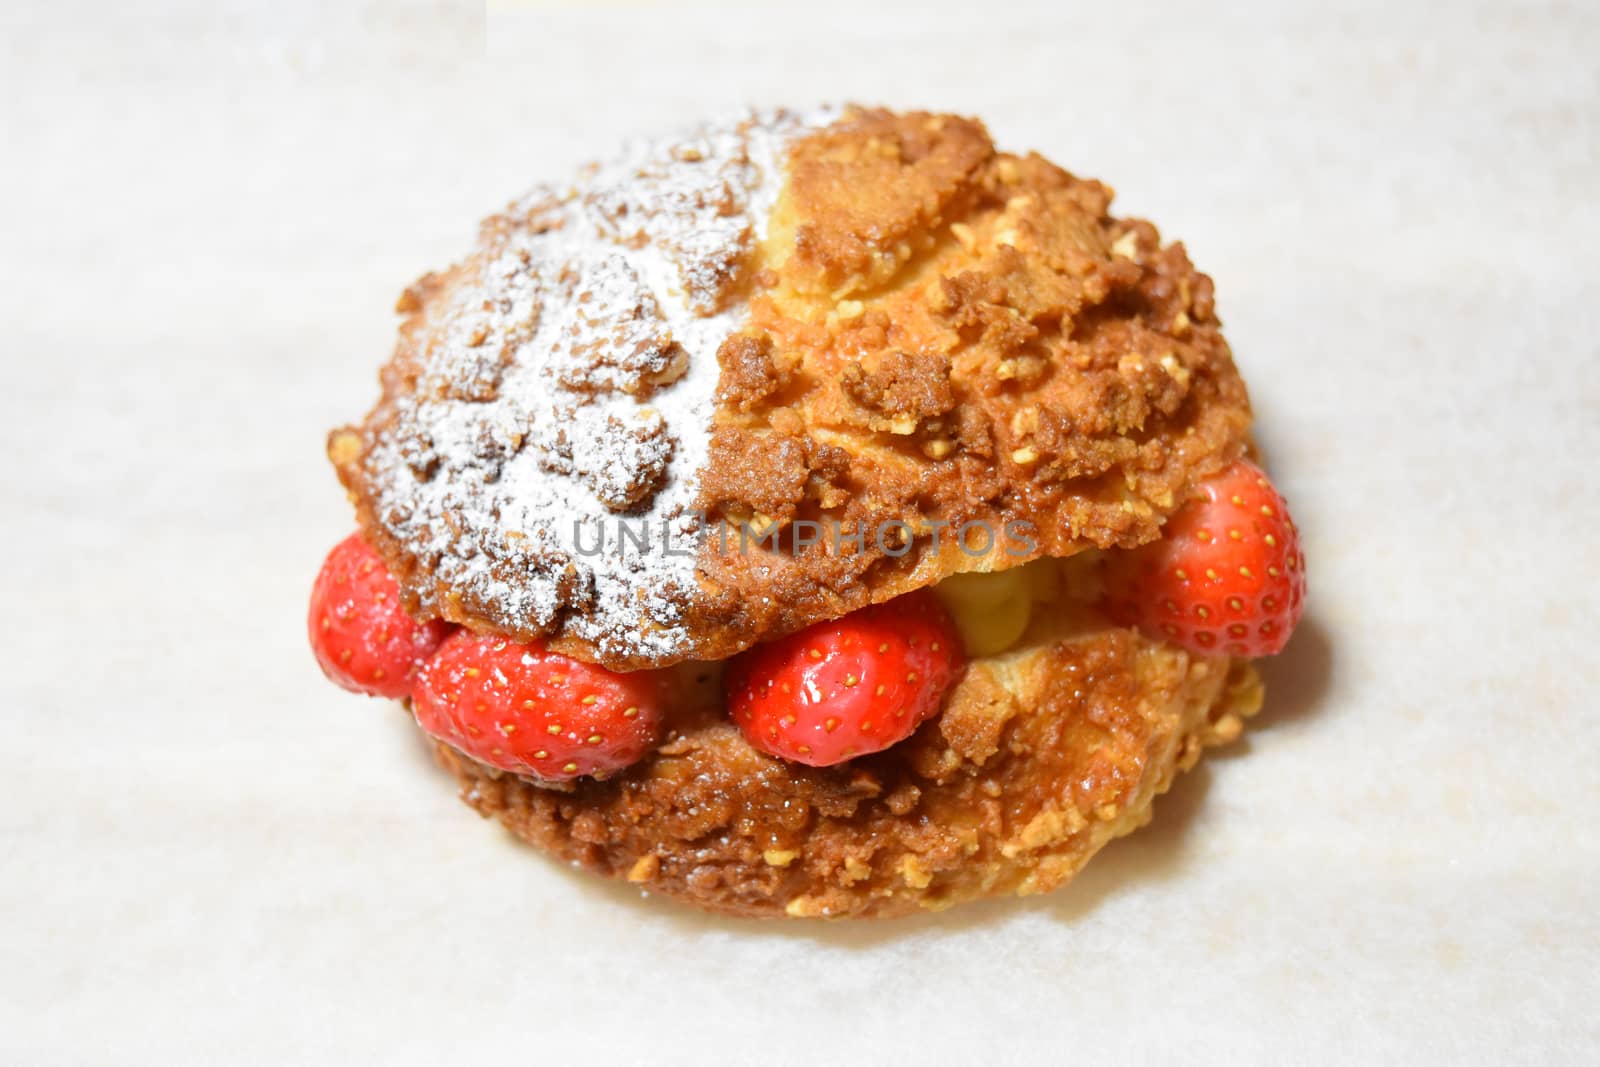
(545, 467)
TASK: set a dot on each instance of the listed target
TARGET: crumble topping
(566, 391)
(858, 321)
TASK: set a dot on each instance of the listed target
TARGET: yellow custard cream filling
(994, 608)
(991, 610)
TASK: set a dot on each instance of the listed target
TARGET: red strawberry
(1227, 575)
(536, 713)
(848, 687)
(362, 637)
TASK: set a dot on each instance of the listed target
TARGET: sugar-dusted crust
(1039, 758)
(931, 333)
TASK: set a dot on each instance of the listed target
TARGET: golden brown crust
(1040, 757)
(937, 334)
(949, 335)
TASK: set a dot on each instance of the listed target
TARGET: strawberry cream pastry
(818, 514)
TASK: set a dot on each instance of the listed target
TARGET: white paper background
(212, 856)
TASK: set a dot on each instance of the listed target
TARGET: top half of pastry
(733, 383)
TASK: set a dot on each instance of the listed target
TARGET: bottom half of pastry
(1041, 755)
(983, 734)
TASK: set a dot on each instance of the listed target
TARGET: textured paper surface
(212, 856)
